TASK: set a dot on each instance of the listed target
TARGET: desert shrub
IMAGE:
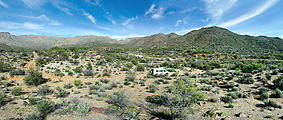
(17, 72)
(182, 94)
(230, 106)
(33, 100)
(234, 95)
(45, 107)
(119, 99)
(130, 77)
(88, 72)
(271, 103)
(78, 70)
(134, 61)
(153, 88)
(33, 116)
(227, 99)
(68, 86)
(4, 67)
(268, 76)
(83, 108)
(34, 78)
(246, 80)
(2, 99)
(16, 91)
(107, 74)
(264, 96)
(273, 117)
(156, 99)
(106, 81)
(44, 90)
(93, 92)
(275, 72)
(278, 93)
(140, 68)
(278, 83)
(77, 82)
(61, 92)
(114, 85)
(263, 90)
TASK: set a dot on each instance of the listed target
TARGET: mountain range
(210, 38)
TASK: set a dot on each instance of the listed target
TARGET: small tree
(140, 68)
(34, 78)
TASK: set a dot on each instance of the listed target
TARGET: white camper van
(159, 71)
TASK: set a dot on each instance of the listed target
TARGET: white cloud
(89, 16)
(129, 20)
(216, 8)
(32, 26)
(34, 3)
(93, 2)
(178, 22)
(151, 9)
(26, 25)
(44, 18)
(158, 14)
(3, 4)
(120, 37)
(250, 15)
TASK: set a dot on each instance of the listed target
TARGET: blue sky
(131, 18)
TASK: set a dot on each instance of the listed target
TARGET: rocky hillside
(213, 38)
(40, 41)
(209, 38)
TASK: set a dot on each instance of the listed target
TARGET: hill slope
(40, 41)
(216, 39)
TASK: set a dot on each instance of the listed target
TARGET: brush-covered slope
(40, 41)
(215, 39)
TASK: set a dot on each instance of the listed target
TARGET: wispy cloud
(179, 22)
(92, 2)
(156, 12)
(250, 15)
(34, 3)
(44, 18)
(216, 8)
(185, 31)
(3, 4)
(25, 25)
(129, 20)
(90, 17)
(151, 9)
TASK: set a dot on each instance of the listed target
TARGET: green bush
(119, 99)
(107, 74)
(44, 90)
(4, 67)
(263, 90)
(17, 72)
(83, 108)
(33, 100)
(230, 106)
(268, 76)
(140, 68)
(278, 83)
(16, 91)
(2, 99)
(153, 88)
(34, 78)
(227, 99)
(45, 107)
(278, 93)
(246, 80)
(271, 103)
(77, 82)
(61, 92)
(68, 86)
(264, 96)
(33, 116)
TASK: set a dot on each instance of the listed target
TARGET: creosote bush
(16, 91)
(45, 107)
(34, 78)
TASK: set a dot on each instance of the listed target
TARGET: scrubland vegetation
(114, 82)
